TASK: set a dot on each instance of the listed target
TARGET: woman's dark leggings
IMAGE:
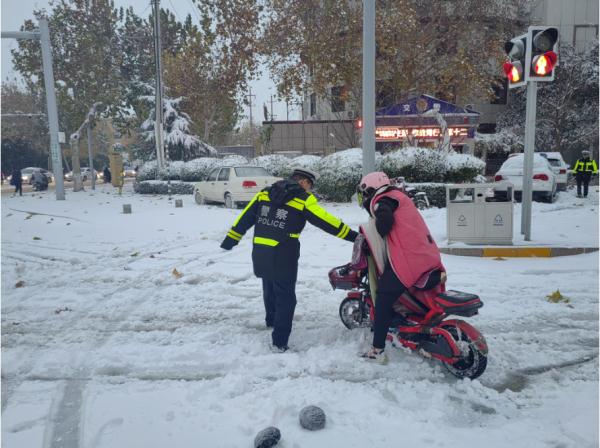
(389, 288)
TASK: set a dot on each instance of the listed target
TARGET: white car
(560, 168)
(85, 174)
(26, 174)
(544, 180)
(233, 185)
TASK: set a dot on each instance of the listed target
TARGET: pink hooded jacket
(410, 248)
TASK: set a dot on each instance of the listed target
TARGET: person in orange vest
(583, 170)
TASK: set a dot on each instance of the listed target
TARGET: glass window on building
(337, 99)
(313, 104)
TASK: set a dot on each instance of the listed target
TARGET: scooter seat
(459, 303)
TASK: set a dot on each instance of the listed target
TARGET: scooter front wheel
(472, 362)
(352, 313)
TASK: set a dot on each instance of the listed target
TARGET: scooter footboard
(469, 330)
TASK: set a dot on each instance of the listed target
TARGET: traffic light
(514, 68)
(543, 53)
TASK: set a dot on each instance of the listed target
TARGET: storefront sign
(393, 133)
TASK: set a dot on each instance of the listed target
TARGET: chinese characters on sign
(391, 133)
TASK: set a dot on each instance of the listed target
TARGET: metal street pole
(55, 150)
(368, 95)
(158, 122)
(528, 159)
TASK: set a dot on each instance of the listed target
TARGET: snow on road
(103, 346)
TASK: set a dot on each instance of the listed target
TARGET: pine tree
(180, 143)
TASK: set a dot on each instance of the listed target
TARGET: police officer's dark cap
(306, 173)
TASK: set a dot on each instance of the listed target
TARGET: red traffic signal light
(543, 53)
(514, 68)
(543, 64)
(513, 71)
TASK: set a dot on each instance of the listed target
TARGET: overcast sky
(15, 12)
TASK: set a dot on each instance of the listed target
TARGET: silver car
(560, 168)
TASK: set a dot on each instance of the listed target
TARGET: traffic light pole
(530, 114)
(368, 85)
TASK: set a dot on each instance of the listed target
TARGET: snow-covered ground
(104, 347)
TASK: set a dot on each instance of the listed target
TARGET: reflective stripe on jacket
(585, 166)
(278, 219)
(411, 249)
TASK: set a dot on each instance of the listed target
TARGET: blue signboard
(420, 104)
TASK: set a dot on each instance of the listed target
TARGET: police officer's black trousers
(583, 178)
(280, 302)
(389, 288)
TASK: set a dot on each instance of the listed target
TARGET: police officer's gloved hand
(228, 243)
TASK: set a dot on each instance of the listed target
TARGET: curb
(516, 252)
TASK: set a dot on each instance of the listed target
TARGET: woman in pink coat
(402, 248)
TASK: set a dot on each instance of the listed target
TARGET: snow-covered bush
(171, 170)
(415, 164)
(463, 167)
(162, 187)
(234, 160)
(148, 171)
(198, 169)
(306, 161)
(340, 173)
(504, 141)
(436, 193)
(275, 164)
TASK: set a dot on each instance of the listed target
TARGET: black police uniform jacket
(279, 214)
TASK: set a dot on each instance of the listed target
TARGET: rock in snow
(312, 418)
(267, 438)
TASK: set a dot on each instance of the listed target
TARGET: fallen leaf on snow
(557, 297)
(19, 284)
(176, 273)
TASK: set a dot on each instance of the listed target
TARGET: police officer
(583, 170)
(279, 214)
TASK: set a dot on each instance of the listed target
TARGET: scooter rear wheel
(472, 363)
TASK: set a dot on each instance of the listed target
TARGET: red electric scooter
(420, 322)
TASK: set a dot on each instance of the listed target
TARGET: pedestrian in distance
(107, 175)
(17, 181)
(279, 214)
(402, 247)
(584, 168)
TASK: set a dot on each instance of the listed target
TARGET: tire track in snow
(64, 425)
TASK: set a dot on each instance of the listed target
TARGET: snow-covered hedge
(415, 164)
(148, 171)
(162, 187)
(463, 168)
(436, 193)
(426, 165)
(339, 173)
(197, 169)
(171, 170)
(275, 164)
(193, 171)
(504, 141)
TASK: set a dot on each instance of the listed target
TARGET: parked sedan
(544, 179)
(233, 185)
(560, 168)
(85, 174)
